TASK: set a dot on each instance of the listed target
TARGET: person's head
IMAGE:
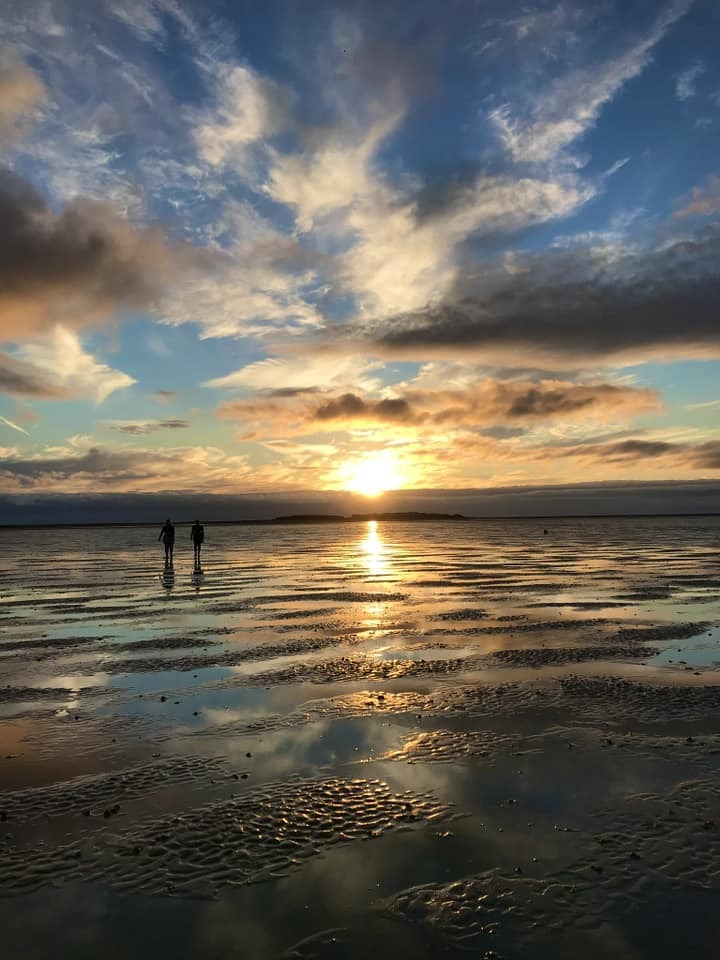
(168, 520)
(197, 523)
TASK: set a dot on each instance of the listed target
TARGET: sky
(282, 248)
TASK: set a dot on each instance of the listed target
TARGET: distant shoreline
(322, 518)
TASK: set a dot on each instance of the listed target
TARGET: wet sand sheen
(467, 738)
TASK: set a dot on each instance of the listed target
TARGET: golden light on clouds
(372, 474)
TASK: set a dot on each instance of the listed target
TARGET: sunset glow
(337, 258)
(372, 476)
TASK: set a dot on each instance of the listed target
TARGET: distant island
(360, 517)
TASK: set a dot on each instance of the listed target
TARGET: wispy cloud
(249, 110)
(686, 81)
(13, 426)
(564, 111)
(319, 371)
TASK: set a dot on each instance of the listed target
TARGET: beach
(406, 738)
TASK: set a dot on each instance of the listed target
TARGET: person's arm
(161, 533)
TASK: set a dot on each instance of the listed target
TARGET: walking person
(197, 535)
(167, 535)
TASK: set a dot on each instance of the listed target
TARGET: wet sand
(405, 739)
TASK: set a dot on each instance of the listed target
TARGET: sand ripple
(244, 839)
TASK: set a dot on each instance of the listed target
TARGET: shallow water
(412, 738)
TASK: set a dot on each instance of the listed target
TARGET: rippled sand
(414, 739)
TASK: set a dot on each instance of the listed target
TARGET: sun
(371, 476)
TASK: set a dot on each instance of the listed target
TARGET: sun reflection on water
(375, 557)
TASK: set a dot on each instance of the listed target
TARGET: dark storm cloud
(22, 379)
(538, 403)
(577, 306)
(350, 406)
(76, 265)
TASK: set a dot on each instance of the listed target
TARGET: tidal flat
(495, 738)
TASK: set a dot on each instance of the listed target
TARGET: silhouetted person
(197, 535)
(167, 535)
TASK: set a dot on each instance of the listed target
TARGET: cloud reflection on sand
(457, 661)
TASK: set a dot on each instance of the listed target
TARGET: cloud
(564, 308)
(13, 426)
(22, 379)
(303, 372)
(21, 90)
(402, 260)
(570, 106)
(352, 236)
(144, 17)
(351, 407)
(428, 412)
(698, 456)
(262, 281)
(705, 200)
(78, 265)
(249, 110)
(398, 251)
(81, 466)
(59, 367)
(142, 427)
(333, 171)
(685, 81)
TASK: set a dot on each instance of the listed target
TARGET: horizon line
(390, 517)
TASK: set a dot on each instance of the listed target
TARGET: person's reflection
(168, 577)
(374, 551)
